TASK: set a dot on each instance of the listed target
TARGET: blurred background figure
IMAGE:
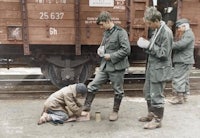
(183, 60)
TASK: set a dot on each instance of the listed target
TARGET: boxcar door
(90, 32)
(138, 27)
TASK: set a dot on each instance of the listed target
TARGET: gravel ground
(18, 119)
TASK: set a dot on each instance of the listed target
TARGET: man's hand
(143, 43)
(100, 51)
(107, 56)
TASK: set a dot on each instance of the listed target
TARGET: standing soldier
(183, 60)
(159, 66)
(114, 51)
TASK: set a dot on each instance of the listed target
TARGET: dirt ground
(18, 119)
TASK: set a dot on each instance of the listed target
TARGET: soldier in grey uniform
(159, 66)
(114, 61)
(183, 60)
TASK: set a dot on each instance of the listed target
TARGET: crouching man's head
(81, 88)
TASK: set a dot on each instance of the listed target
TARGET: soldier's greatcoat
(159, 67)
(183, 60)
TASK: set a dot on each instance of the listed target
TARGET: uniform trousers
(115, 77)
(58, 115)
(153, 91)
(180, 81)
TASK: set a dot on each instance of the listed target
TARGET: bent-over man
(63, 104)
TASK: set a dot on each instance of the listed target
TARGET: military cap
(181, 21)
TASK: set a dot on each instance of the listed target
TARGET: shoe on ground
(176, 100)
(155, 123)
(147, 118)
(113, 116)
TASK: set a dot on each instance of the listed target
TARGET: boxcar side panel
(51, 22)
(54, 22)
(90, 33)
(190, 9)
(10, 22)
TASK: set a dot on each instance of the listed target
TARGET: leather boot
(156, 122)
(117, 101)
(150, 116)
(88, 101)
(177, 99)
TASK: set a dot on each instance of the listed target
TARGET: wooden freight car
(61, 36)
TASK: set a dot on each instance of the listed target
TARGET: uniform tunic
(117, 45)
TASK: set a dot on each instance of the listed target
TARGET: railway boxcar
(61, 36)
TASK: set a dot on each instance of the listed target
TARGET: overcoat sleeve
(72, 105)
(184, 42)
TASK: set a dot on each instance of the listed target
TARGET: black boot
(88, 101)
(156, 121)
(149, 116)
(117, 101)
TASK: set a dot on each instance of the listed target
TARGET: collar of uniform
(110, 31)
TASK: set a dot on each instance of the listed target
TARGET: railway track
(37, 86)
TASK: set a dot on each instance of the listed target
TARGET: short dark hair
(103, 17)
(152, 14)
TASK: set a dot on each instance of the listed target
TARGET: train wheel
(45, 70)
(84, 74)
(54, 74)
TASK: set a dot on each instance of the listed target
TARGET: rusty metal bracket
(78, 31)
(25, 32)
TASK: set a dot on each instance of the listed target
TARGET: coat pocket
(163, 74)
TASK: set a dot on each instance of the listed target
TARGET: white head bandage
(186, 25)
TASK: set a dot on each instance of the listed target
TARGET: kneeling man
(63, 104)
